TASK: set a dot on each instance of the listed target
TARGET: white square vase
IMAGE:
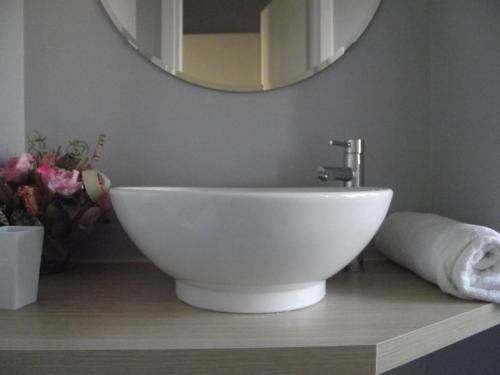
(20, 256)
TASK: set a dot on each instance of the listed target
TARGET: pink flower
(17, 169)
(43, 171)
(59, 180)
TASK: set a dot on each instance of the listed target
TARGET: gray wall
(465, 120)
(83, 78)
(465, 139)
(11, 78)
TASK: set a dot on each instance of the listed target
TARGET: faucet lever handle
(334, 142)
(351, 146)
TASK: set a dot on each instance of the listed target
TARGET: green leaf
(22, 218)
(3, 219)
(77, 155)
(57, 222)
(35, 144)
(7, 194)
(73, 205)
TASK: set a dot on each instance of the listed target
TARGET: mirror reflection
(242, 45)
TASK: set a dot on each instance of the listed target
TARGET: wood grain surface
(112, 314)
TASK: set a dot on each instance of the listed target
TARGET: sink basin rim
(315, 190)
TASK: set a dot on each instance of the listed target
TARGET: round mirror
(241, 45)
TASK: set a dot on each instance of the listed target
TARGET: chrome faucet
(351, 173)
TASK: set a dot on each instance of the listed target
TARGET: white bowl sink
(254, 250)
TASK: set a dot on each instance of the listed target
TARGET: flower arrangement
(58, 189)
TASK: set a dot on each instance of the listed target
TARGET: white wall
(465, 122)
(223, 60)
(285, 38)
(11, 78)
(172, 29)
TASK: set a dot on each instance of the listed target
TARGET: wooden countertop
(125, 317)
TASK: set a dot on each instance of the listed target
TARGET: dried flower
(45, 187)
(60, 181)
(29, 198)
(49, 159)
(16, 170)
(85, 225)
(98, 150)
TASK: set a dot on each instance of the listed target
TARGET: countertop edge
(397, 351)
(339, 360)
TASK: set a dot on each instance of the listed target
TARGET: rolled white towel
(462, 259)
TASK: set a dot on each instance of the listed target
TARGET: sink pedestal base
(251, 300)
